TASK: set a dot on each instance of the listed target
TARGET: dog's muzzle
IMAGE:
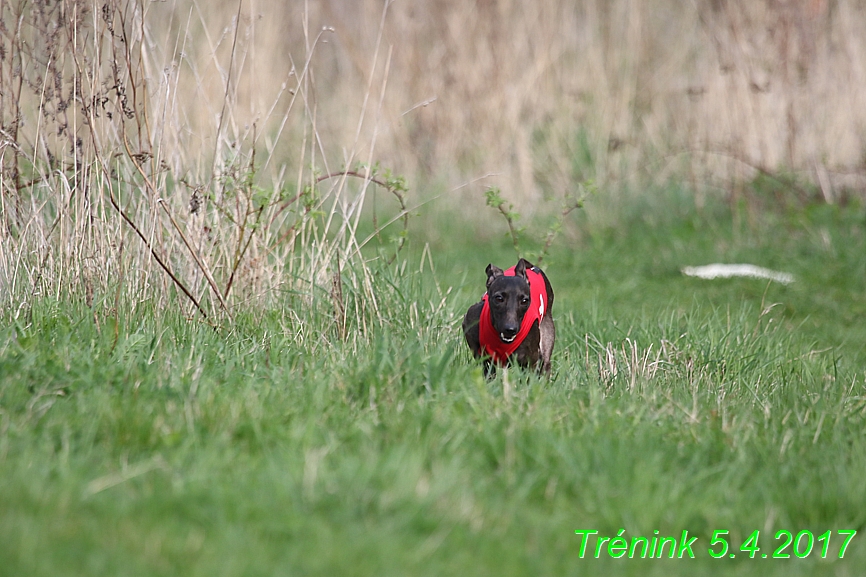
(507, 339)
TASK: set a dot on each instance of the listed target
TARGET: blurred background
(214, 131)
(542, 94)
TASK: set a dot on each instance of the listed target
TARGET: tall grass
(626, 91)
(200, 154)
(130, 171)
(549, 93)
(177, 449)
(229, 162)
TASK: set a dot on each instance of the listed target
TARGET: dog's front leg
(547, 335)
(471, 330)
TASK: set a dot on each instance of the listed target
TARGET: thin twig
(113, 200)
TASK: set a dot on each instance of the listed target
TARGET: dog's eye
(499, 298)
(524, 300)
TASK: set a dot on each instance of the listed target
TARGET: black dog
(513, 320)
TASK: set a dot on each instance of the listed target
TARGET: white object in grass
(712, 271)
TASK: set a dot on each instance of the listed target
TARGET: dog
(513, 321)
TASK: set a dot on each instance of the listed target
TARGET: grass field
(144, 443)
(203, 372)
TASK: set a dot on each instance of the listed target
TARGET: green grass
(162, 447)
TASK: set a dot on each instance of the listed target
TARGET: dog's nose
(508, 333)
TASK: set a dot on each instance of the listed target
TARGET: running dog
(512, 321)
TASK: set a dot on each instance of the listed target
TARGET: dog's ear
(520, 269)
(492, 273)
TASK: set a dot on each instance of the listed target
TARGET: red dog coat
(494, 346)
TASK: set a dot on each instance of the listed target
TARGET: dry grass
(181, 146)
(135, 164)
(548, 93)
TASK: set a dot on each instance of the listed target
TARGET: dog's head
(508, 298)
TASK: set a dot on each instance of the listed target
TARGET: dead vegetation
(223, 153)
